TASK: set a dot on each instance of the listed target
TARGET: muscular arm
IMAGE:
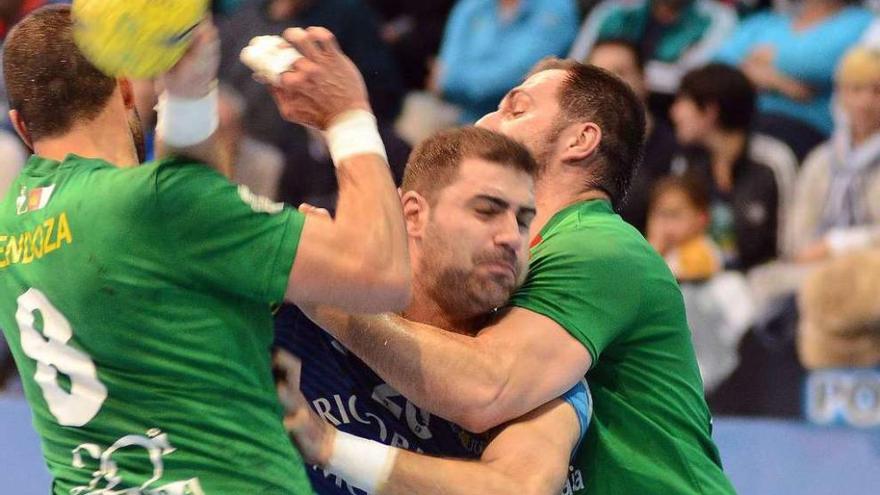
(501, 374)
(193, 78)
(528, 457)
(359, 259)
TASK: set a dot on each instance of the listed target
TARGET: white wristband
(184, 122)
(354, 133)
(362, 463)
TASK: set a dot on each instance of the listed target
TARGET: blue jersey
(348, 394)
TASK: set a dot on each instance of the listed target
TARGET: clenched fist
(321, 85)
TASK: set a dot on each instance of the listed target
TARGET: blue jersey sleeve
(580, 399)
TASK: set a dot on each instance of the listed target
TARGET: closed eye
(487, 212)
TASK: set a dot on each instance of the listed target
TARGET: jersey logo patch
(259, 204)
(535, 241)
(33, 200)
(155, 446)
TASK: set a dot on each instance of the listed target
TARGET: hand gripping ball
(135, 38)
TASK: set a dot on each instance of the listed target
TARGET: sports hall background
(788, 344)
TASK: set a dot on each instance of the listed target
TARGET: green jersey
(599, 279)
(136, 303)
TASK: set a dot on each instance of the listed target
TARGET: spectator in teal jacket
(673, 36)
(791, 59)
(490, 45)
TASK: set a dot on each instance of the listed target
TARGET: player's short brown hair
(435, 162)
(591, 94)
(48, 80)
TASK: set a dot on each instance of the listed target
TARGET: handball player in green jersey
(137, 299)
(598, 302)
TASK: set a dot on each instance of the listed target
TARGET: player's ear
(415, 213)
(127, 90)
(581, 142)
(21, 128)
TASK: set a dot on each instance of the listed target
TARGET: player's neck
(424, 309)
(557, 189)
(104, 137)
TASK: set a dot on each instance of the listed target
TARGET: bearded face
(468, 281)
(473, 251)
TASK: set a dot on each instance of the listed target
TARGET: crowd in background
(761, 177)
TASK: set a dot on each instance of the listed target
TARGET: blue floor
(762, 457)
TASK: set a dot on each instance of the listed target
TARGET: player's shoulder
(145, 185)
(104, 181)
(595, 238)
(181, 176)
(180, 165)
(590, 228)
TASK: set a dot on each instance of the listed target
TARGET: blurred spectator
(423, 115)
(309, 175)
(749, 177)
(12, 149)
(357, 31)
(225, 7)
(14, 156)
(7, 365)
(718, 305)
(871, 36)
(622, 58)
(673, 36)
(413, 30)
(840, 317)
(255, 164)
(837, 202)
(791, 59)
(678, 221)
(11, 11)
(490, 45)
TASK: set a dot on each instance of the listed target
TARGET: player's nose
(489, 121)
(509, 234)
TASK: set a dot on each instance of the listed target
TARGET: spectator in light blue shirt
(490, 45)
(791, 59)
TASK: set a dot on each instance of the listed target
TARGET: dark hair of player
(591, 94)
(435, 162)
(48, 81)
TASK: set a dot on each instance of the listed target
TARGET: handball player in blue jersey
(468, 201)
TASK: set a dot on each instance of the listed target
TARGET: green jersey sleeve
(223, 236)
(580, 280)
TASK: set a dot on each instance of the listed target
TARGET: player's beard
(544, 147)
(461, 291)
(137, 135)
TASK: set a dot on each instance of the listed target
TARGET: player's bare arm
(501, 374)
(187, 108)
(357, 260)
(528, 456)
